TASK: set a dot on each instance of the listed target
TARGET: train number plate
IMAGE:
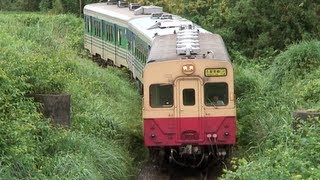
(215, 72)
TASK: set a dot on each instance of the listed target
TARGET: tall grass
(43, 54)
(271, 148)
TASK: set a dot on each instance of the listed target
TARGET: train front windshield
(216, 94)
(161, 95)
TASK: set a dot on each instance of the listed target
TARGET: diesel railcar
(189, 113)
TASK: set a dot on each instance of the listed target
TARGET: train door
(189, 107)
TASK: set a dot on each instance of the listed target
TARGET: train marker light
(214, 136)
(188, 69)
(209, 136)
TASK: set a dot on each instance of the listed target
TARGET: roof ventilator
(122, 4)
(187, 40)
(147, 10)
(166, 16)
(156, 15)
(111, 2)
(133, 6)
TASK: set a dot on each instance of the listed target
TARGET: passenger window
(188, 97)
(216, 94)
(87, 24)
(119, 36)
(161, 95)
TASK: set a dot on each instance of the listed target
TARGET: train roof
(145, 24)
(160, 29)
(110, 10)
(211, 47)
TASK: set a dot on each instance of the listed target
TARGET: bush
(294, 158)
(270, 147)
(297, 62)
(38, 54)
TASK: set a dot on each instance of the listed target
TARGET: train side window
(107, 29)
(111, 33)
(161, 95)
(216, 94)
(119, 36)
(87, 18)
(189, 97)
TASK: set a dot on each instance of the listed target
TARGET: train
(184, 73)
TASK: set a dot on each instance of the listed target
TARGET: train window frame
(164, 95)
(187, 98)
(97, 27)
(112, 33)
(87, 24)
(108, 29)
(119, 37)
(220, 94)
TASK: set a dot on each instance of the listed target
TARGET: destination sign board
(215, 72)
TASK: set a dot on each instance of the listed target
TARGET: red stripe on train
(193, 130)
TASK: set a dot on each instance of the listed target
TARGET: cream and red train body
(182, 67)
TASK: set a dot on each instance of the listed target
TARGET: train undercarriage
(190, 155)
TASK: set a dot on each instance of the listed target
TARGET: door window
(188, 97)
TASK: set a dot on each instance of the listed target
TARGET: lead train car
(189, 113)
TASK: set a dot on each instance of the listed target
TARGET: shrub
(295, 63)
(38, 54)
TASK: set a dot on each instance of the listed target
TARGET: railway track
(153, 172)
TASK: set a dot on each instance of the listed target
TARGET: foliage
(257, 28)
(40, 54)
(295, 158)
(25, 5)
(271, 148)
(41, 58)
(297, 62)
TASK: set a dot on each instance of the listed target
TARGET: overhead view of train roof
(211, 47)
(162, 30)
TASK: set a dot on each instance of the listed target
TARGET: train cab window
(161, 95)
(188, 97)
(216, 94)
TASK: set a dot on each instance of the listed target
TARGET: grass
(268, 145)
(43, 54)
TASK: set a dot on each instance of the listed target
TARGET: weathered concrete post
(56, 107)
(303, 116)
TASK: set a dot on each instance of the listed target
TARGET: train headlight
(188, 69)
(153, 136)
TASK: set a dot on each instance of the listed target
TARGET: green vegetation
(42, 54)
(53, 6)
(256, 28)
(269, 145)
(275, 49)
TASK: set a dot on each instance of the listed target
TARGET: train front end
(189, 110)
